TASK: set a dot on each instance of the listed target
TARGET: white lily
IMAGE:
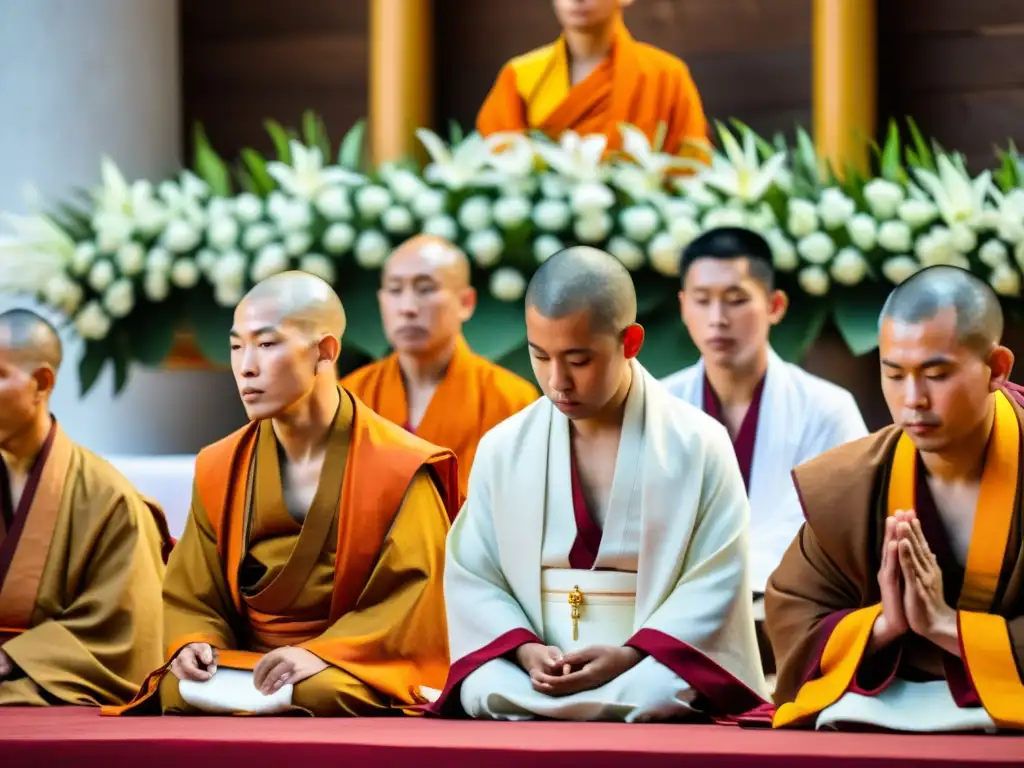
(960, 199)
(739, 173)
(122, 207)
(577, 158)
(37, 251)
(465, 164)
(645, 180)
(307, 176)
(511, 154)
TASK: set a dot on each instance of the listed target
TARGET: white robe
(800, 417)
(677, 519)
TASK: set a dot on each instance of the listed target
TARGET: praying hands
(558, 674)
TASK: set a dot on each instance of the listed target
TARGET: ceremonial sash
(985, 644)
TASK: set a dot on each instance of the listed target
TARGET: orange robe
(474, 396)
(358, 582)
(636, 84)
(81, 563)
(823, 599)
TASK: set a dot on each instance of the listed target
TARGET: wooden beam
(845, 89)
(401, 76)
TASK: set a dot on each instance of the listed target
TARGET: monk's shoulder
(501, 382)
(838, 483)
(361, 379)
(536, 57)
(656, 60)
(101, 490)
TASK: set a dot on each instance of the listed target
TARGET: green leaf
(350, 153)
(660, 134)
(210, 167)
(149, 337)
(799, 329)
(358, 291)
(455, 133)
(262, 181)
(210, 324)
(496, 328)
(856, 317)
(925, 156)
(891, 164)
(807, 154)
(667, 344)
(91, 365)
(315, 133)
(281, 141)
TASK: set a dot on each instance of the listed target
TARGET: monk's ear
(467, 303)
(632, 340)
(778, 305)
(328, 351)
(1000, 362)
(45, 379)
(682, 304)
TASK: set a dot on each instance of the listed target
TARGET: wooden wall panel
(957, 68)
(244, 61)
(751, 59)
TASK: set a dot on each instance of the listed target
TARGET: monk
(598, 569)
(81, 551)
(592, 79)
(777, 414)
(308, 578)
(433, 384)
(900, 604)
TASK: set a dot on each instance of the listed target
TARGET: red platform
(39, 738)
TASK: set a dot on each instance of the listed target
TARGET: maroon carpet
(78, 737)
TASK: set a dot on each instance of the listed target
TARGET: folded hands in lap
(198, 661)
(558, 674)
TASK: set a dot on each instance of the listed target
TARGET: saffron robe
(636, 84)
(81, 563)
(474, 396)
(797, 417)
(823, 600)
(358, 583)
(675, 536)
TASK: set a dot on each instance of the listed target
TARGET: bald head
(303, 300)
(979, 316)
(582, 278)
(30, 340)
(431, 254)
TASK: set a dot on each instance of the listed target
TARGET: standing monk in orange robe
(81, 552)
(309, 576)
(900, 604)
(594, 77)
(433, 384)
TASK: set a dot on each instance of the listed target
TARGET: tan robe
(358, 583)
(80, 572)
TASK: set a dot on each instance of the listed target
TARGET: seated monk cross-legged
(598, 569)
(433, 384)
(81, 551)
(309, 576)
(900, 604)
(594, 78)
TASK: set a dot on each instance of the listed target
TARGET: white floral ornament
(739, 173)
(849, 267)
(813, 280)
(319, 265)
(485, 247)
(464, 165)
(664, 254)
(371, 249)
(507, 284)
(36, 251)
(546, 246)
(899, 268)
(92, 323)
(628, 252)
(1006, 281)
(306, 176)
(883, 198)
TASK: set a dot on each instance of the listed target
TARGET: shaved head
(30, 340)
(425, 297)
(436, 254)
(582, 278)
(302, 299)
(922, 297)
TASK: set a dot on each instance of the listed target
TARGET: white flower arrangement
(510, 201)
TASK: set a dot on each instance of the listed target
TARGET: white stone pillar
(80, 78)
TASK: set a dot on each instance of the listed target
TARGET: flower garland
(510, 201)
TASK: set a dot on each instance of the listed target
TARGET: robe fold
(636, 84)
(81, 563)
(358, 582)
(823, 599)
(796, 417)
(473, 397)
(664, 573)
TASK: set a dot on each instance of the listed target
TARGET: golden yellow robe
(358, 582)
(636, 84)
(81, 565)
(474, 396)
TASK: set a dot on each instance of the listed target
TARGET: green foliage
(209, 166)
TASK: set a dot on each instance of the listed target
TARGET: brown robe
(828, 579)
